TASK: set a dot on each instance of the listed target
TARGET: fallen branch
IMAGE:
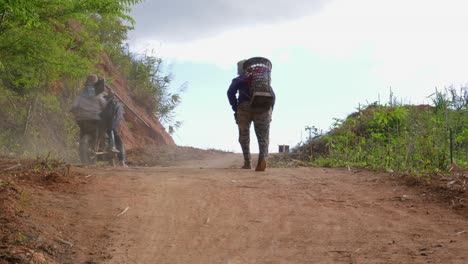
(452, 182)
(65, 242)
(401, 198)
(123, 212)
(13, 167)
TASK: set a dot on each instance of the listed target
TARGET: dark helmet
(91, 79)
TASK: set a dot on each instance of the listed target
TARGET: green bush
(402, 138)
(46, 50)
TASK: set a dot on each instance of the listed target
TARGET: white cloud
(411, 43)
(186, 20)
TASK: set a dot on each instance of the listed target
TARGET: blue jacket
(239, 84)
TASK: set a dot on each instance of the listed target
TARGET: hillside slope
(140, 127)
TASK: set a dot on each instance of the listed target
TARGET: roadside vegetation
(47, 48)
(393, 137)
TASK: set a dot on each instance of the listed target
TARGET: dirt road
(209, 211)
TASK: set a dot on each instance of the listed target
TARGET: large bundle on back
(258, 72)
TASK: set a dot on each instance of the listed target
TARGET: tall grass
(397, 137)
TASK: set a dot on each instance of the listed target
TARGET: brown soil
(204, 209)
(35, 201)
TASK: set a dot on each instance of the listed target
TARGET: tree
(42, 41)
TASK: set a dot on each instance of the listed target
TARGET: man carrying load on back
(86, 108)
(255, 104)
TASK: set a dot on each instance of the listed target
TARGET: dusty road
(212, 212)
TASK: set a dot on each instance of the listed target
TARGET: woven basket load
(258, 72)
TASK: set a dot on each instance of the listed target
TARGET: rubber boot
(261, 164)
(112, 142)
(247, 163)
(123, 164)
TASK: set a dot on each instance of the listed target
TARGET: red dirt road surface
(210, 211)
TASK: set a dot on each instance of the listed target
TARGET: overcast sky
(328, 57)
(188, 20)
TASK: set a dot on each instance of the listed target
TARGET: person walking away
(112, 116)
(245, 114)
(86, 108)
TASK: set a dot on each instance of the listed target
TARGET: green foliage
(22, 238)
(46, 49)
(152, 88)
(3, 184)
(47, 163)
(403, 138)
(144, 72)
(42, 41)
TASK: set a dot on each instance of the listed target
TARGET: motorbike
(94, 147)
